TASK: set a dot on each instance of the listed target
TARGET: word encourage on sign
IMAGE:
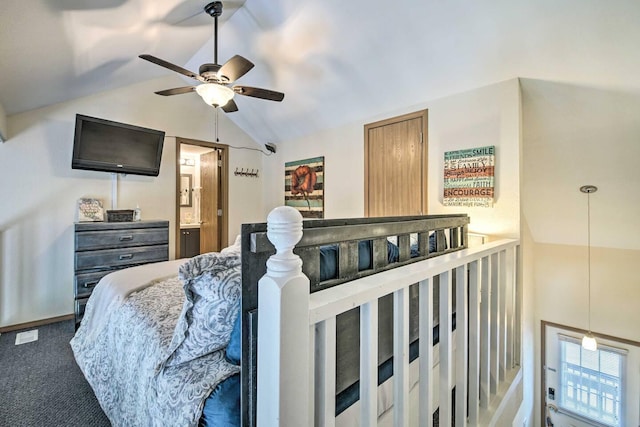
(469, 177)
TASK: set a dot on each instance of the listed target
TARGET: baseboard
(35, 323)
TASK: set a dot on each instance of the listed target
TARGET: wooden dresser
(103, 247)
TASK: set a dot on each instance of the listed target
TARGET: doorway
(395, 166)
(202, 197)
(586, 388)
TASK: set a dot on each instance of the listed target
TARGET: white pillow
(235, 248)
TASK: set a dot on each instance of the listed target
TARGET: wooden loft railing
(297, 387)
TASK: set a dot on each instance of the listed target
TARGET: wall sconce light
(187, 162)
(589, 341)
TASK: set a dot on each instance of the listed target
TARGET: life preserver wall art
(304, 186)
(469, 177)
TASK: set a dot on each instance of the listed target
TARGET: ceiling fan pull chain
(216, 125)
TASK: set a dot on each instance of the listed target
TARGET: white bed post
(283, 328)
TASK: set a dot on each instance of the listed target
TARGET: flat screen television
(108, 146)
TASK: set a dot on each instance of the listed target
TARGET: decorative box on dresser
(103, 247)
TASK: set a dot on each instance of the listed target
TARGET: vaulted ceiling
(342, 62)
(337, 61)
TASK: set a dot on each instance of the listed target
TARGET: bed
(175, 343)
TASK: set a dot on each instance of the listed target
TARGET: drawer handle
(89, 284)
(125, 238)
(126, 256)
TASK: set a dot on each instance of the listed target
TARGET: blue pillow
(329, 258)
(328, 262)
(432, 242)
(235, 342)
(393, 253)
(365, 260)
(222, 407)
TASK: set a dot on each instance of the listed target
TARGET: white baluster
(446, 349)
(502, 315)
(474, 342)
(369, 364)
(485, 332)
(283, 325)
(510, 298)
(495, 323)
(462, 336)
(325, 373)
(401, 358)
(425, 308)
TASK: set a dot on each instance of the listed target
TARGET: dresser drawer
(109, 258)
(85, 282)
(91, 240)
(81, 304)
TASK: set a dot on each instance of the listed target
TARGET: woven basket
(121, 215)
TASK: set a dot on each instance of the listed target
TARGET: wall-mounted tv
(105, 145)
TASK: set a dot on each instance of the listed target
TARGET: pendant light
(589, 341)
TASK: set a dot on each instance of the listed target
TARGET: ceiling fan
(215, 78)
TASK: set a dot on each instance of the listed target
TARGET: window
(591, 382)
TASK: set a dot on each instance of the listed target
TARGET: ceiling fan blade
(176, 90)
(230, 106)
(235, 68)
(172, 67)
(257, 92)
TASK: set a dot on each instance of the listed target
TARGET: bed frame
(451, 236)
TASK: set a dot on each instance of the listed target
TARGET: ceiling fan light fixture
(215, 94)
(215, 77)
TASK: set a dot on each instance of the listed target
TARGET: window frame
(622, 353)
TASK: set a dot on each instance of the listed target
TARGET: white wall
(39, 188)
(528, 359)
(343, 151)
(575, 135)
(245, 193)
(562, 294)
(4, 135)
(481, 117)
(486, 116)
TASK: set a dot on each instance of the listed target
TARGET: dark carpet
(41, 385)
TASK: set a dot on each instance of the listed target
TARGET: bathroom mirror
(185, 189)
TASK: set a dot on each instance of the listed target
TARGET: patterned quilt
(123, 363)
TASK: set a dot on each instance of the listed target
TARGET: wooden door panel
(396, 167)
(209, 229)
